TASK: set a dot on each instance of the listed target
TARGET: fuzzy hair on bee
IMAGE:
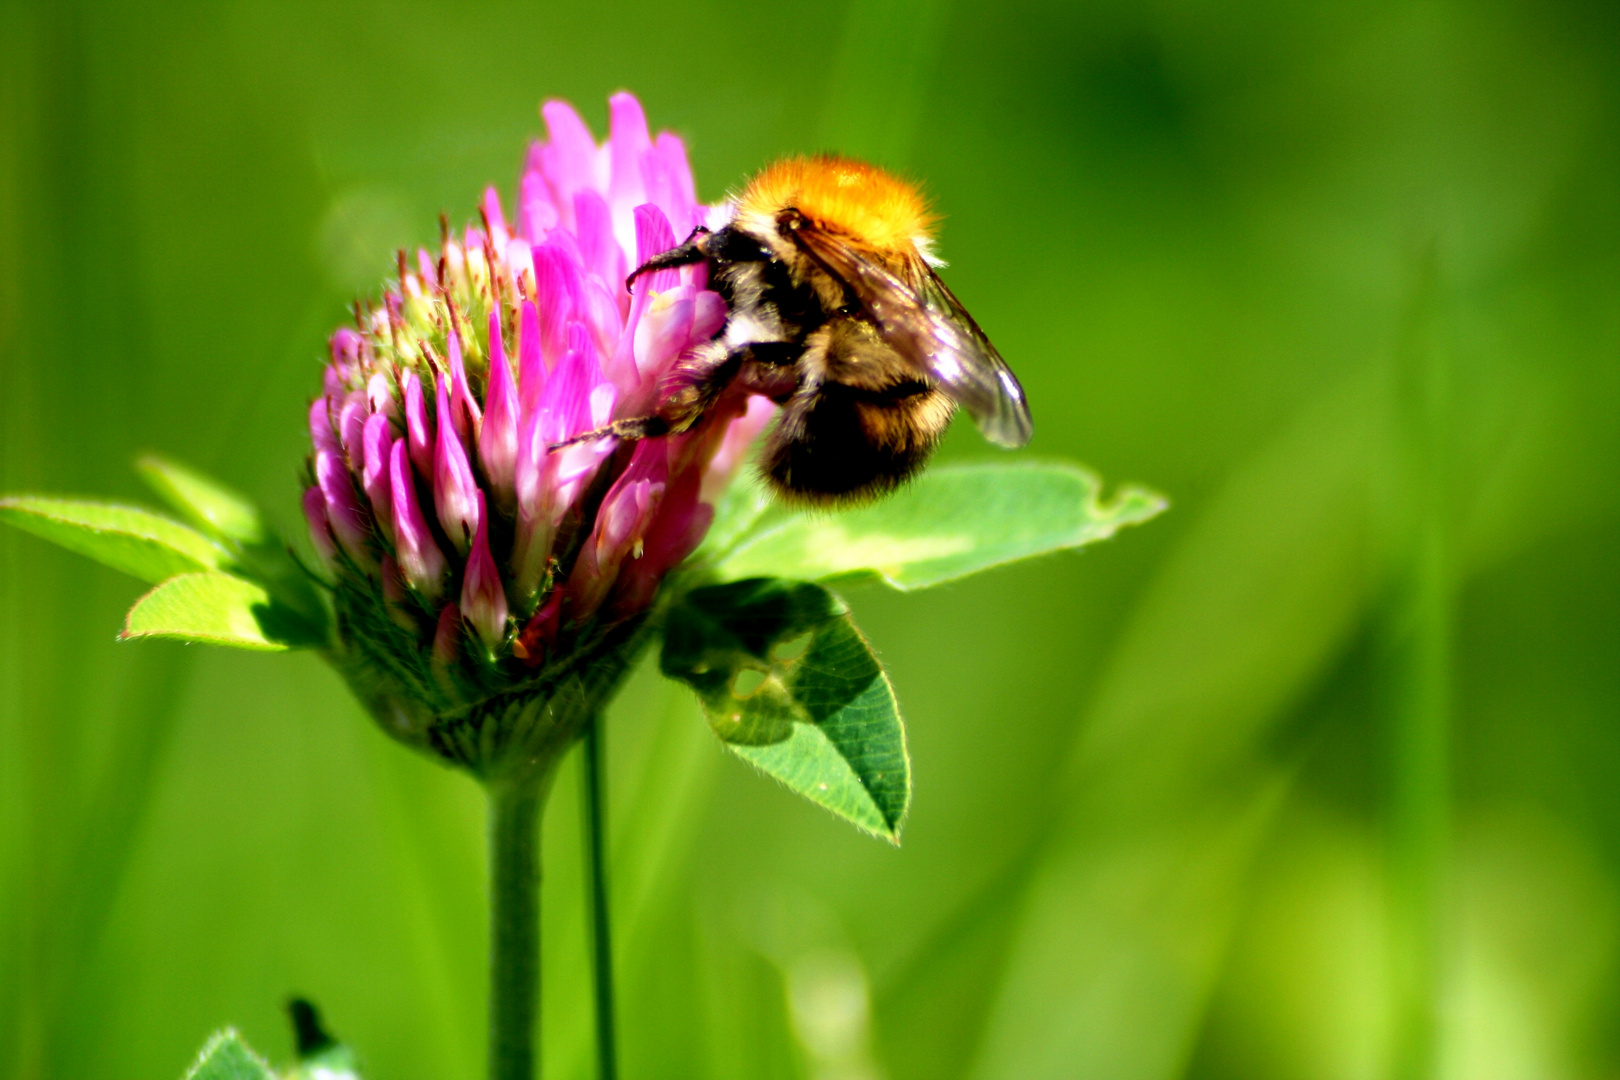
(838, 315)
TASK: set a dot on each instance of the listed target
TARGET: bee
(838, 316)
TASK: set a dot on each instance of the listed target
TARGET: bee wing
(926, 324)
(970, 368)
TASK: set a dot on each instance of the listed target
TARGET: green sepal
(226, 1057)
(950, 522)
(126, 538)
(218, 609)
(790, 686)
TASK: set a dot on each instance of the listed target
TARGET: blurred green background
(1314, 777)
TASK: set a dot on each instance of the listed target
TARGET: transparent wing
(926, 324)
(971, 369)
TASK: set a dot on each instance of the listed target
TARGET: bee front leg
(726, 246)
(694, 250)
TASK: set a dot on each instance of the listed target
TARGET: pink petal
(320, 528)
(343, 510)
(676, 530)
(665, 189)
(709, 316)
(418, 428)
(379, 445)
(351, 428)
(566, 407)
(569, 158)
(600, 311)
(455, 493)
(464, 410)
(420, 559)
(321, 432)
(598, 248)
(447, 637)
(537, 214)
(380, 395)
(628, 143)
(654, 236)
(494, 219)
(520, 266)
(483, 599)
(497, 440)
(557, 286)
(663, 332)
(672, 153)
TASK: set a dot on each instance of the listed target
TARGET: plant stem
(1420, 707)
(514, 945)
(601, 940)
(1420, 822)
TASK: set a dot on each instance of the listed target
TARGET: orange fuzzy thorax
(851, 197)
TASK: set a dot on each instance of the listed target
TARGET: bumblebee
(837, 315)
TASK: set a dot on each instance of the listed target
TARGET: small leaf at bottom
(790, 685)
(226, 1057)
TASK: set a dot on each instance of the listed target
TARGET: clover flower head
(486, 565)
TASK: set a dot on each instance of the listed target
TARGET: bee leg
(630, 429)
(694, 250)
(764, 368)
(768, 368)
(726, 246)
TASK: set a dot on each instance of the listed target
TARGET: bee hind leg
(764, 368)
(629, 429)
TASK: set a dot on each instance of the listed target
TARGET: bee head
(866, 206)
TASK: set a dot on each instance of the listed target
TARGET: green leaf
(204, 501)
(258, 552)
(226, 1057)
(790, 685)
(952, 521)
(138, 542)
(217, 609)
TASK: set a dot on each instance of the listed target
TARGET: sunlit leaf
(790, 685)
(217, 609)
(951, 522)
(207, 503)
(257, 551)
(138, 542)
(226, 1057)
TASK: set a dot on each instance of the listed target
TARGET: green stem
(1420, 708)
(1420, 776)
(514, 898)
(601, 942)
